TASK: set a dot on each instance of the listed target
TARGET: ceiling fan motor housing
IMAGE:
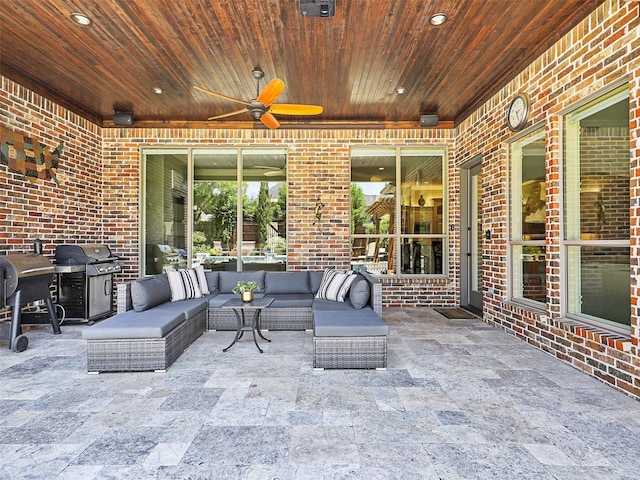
(257, 109)
(318, 8)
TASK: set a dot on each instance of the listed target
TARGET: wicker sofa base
(350, 352)
(270, 319)
(144, 354)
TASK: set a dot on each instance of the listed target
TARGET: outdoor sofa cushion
(228, 280)
(359, 292)
(292, 300)
(149, 292)
(324, 305)
(361, 323)
(286, 282)
(132, 324)
(212, 281)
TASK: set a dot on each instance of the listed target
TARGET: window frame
(526, 137)
(397, 235)
(571, 247)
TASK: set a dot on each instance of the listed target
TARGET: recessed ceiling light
(400, 90)
(157, 90)
(438, 19)
(80, 18)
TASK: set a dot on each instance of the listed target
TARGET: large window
(222, 208)
(528, 208)
(398, 210)
(596, 211)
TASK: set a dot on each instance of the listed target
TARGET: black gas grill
(24, 278)
(85, 281)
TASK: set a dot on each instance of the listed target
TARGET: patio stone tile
(325, 445)
(239, 445)
(395, 462)
(504, 461)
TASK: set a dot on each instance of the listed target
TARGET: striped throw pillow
(335, 284)
(202, 280)
(183, 284)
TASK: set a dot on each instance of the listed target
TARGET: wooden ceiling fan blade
(293, 109)
(271, 92)
(269, 121)
(242, 110)
(219, 95)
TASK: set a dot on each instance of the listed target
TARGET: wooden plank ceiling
(351, 64)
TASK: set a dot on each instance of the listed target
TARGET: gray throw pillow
(212, 281)
(359, 292)
(149, 292)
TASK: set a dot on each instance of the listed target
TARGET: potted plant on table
(246, 289)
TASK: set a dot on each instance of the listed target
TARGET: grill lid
(83, 254)
(17, 266)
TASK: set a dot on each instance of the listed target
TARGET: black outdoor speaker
(123, 119)
(429, 120)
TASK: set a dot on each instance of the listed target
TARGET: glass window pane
(422, 192)
(597, 171)
(528, 273)
(421, 255)
(373, 203)
(165, 211)
(263, 218)
(214, 208)
(599, 284)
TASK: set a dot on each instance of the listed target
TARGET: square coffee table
(241, 308)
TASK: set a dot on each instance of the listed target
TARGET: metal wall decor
(26, 155)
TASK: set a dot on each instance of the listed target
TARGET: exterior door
(471, 235)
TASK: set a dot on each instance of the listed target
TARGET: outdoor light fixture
(80, 18)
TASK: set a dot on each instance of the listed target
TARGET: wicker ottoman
(354, 340)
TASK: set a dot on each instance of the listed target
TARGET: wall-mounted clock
(518, 112)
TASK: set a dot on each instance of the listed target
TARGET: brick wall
(602, 50)
(318, 166)
(32, 208)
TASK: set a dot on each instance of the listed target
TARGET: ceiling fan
(262, 107)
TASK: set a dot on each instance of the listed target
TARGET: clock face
(518, 113)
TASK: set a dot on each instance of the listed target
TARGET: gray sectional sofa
(150, 331)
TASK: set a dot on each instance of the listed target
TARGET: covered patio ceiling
(352, 64)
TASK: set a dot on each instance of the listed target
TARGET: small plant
(243, 286)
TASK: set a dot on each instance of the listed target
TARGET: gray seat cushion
(132, 324)
(292, 300)
(286, 282)
(359, 323)
(324, 305)
(190, 307)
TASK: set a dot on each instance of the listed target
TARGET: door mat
(455, 313)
